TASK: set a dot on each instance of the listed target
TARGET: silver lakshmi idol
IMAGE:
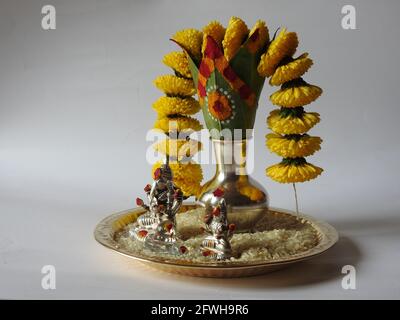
(157, 227)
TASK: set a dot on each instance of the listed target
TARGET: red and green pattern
(214, 58)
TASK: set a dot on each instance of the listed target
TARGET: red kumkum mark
(157, 173)
(142, 233)
(219, 192)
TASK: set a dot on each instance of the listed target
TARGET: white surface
(75, 109)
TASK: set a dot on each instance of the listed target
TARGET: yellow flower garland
(173, 111)
(290, 123)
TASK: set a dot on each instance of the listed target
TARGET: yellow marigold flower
(188, 187)
(178, 148)
(235, 34)
(258, 36)
(292, 70)
(177, 124)
(293, 146)
(215, 30)
(293, 170)
(191, 40)
(186, 176)
(292, 124)
(295, 93)
(179, 62)
(166, 106)
(284, 45)
(175, 86)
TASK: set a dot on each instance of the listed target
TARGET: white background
(75, 107)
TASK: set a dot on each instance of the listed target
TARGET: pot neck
(230, 156)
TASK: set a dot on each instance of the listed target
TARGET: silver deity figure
(157, 227)
(216, 245)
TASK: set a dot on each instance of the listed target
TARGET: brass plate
(105, 234)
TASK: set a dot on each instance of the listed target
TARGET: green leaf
(194, 70)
